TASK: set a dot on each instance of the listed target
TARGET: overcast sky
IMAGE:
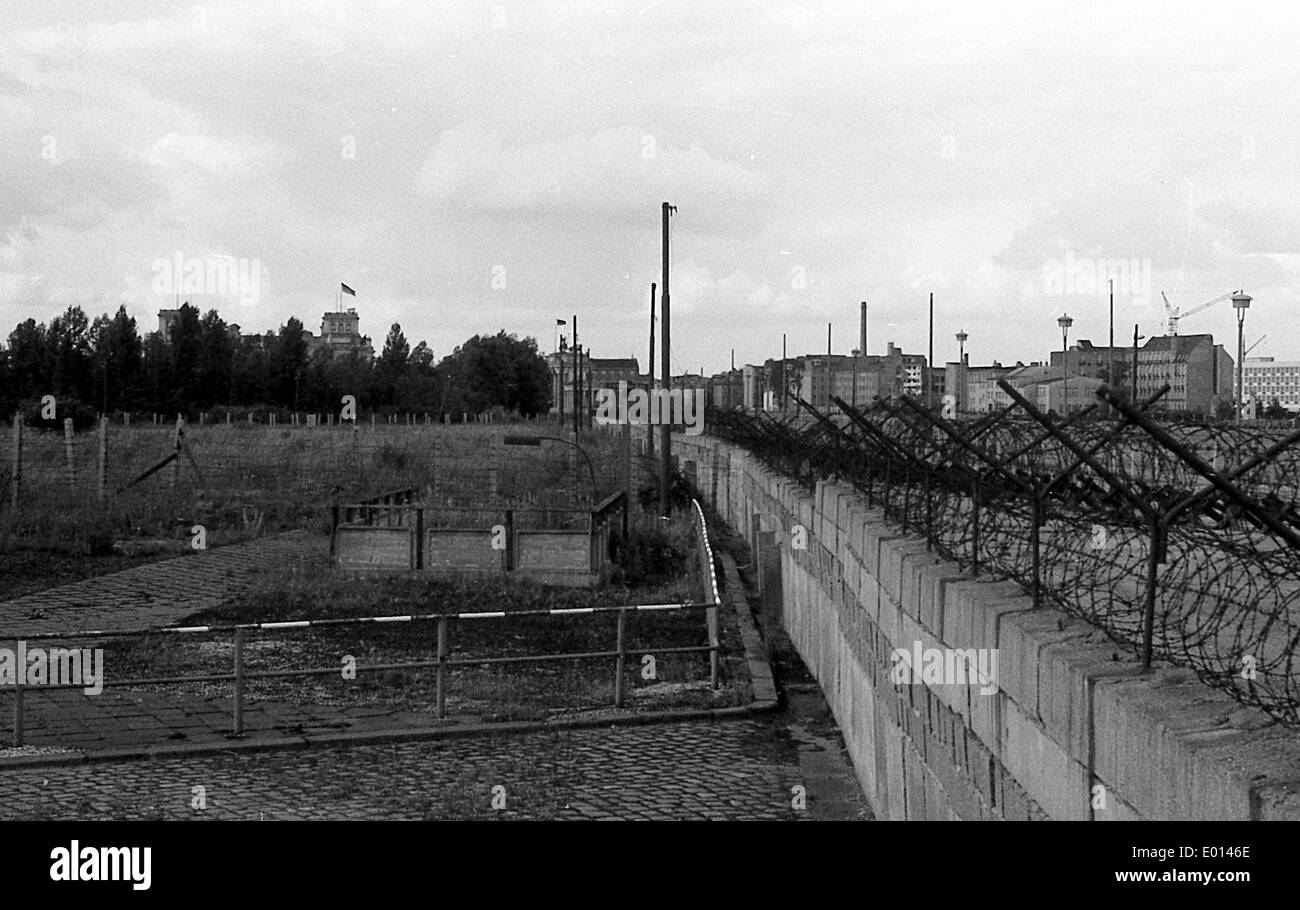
(468, 167)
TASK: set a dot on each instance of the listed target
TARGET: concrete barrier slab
(1058, 784)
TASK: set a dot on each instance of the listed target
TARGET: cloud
(612, 174)
(1254, 226)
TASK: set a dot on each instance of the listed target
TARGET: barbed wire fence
(1181, 542)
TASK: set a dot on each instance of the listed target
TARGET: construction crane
(1174, 313)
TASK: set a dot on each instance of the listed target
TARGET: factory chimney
(862, 330)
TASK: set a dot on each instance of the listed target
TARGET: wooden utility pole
(1110, 354)
(785, 379)
(829, 390)
(650, 433)
(929, 360)
(1134, 386)
(665, 438)
(577, 378)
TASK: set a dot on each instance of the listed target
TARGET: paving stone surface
(698, 770)
(156, 594)
(740, 769)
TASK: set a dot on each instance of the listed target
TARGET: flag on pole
(347, 290)
(560, 322)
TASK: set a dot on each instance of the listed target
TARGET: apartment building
(1265, 379)
(1199, 372)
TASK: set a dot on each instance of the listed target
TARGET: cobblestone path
(156, 594)
(698, 770)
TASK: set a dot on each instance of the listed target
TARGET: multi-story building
(726, 389)
(1086, 359)
(818, 380)
(597, 373)
(787, 373)
(938, 383)
(608, 372)
(862, 379)
(340, 333)
(1198, 371)
(1266, 379)
(1050, 391)
(976, 388)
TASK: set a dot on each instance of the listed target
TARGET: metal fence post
(442, 667)
(907, 494)
(510, 540)
(1035, 519)
(18, 712)
(419, 537)
(334, 532)
(713, 485)
(102, 476)
(929, 509)
(239, 682)
(626, 457)
(620, 661)
(68, 453)
(1153, 576)
(16, 474)
(871, 481)
(885, 488)
(713, 645)
(176, 462)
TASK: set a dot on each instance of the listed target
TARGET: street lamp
(1065, 322)
(1241, 303)
(961, 369)
(559, 363)
(1133, 380)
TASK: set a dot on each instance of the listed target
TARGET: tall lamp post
(1133, 380)
(559, 372)
(961, 369)
(1241, 303)
(1065, 322)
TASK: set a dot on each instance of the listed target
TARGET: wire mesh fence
(236, 476)
(1181, 542)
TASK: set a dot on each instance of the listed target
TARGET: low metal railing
(442, 662)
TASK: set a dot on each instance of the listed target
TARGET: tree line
(107, 365)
